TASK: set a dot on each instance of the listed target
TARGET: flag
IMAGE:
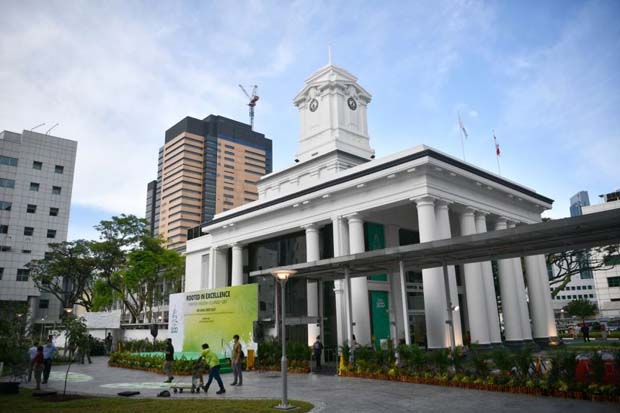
(462, 127)
(497, 151)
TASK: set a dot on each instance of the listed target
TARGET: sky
(544, 75)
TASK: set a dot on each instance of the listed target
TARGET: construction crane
(253, 99)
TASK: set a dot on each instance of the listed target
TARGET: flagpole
(462, 129)
(499, 171)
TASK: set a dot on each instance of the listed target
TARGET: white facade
(337, 182)
(606, 280)
(36, 199)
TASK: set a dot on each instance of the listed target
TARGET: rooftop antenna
(253, 99)
(38, 126)
(50, 129)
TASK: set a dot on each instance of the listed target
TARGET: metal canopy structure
(586, 231)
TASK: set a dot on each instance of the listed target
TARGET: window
(37, 165)
(249, 200)
(28, 231)
(229, 146)
(51, 233)
(5, 248)
(253, 172)
(228, 188)
(22, 274)
(26, 251)
(4, 229)
(579, 287)
(228, 203)
(228, 196)
(43, 304)
(53, 212)
(34, 186)
(229, 153)
(5, 206)
(31, 209)
(7, 183)
(56, 190)
(229, 159)
(250, 193)
(613, 281)
(232, 178)
(589, 287)
(59, 169)
(229, 166)
(7, 160)
(247, 181)
(1, 272)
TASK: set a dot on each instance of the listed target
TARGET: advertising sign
(213, 317)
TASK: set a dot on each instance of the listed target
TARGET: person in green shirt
(213, 362)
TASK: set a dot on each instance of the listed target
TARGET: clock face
(314, 105)
(352, 103)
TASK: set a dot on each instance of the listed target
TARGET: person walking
(108, 344)
(49, 350)
(86, 348)
(32, 352)
(317, 348)
(169, 360)
(586, 333)
(213, 362)
(37, 365)
(237, 358)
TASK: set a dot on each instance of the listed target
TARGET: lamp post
(282, 277)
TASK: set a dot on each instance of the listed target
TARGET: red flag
(497, 151)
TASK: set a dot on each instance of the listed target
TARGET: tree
(76, 333)
(581, 308)
(66, 272)
(132, 265)
(14, 341)
(569, 263)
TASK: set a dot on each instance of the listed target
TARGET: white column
(524, 313)
(442, 216)
(507, 287)
(348, 307)
(544, 283)
(403, 286)
(341, 319)
(396, 291)
(312, 291)
(359, 285)
(220, 273)
(211, 274)
(237, 264)
(538, 306)
(437, 335)
(489, 286)
(474, 288)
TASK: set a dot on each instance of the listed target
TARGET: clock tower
(332, 109)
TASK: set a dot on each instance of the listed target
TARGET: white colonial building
(338, 200)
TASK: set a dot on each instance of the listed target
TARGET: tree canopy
(581, 308)
(126, 263)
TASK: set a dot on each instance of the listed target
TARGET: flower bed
(590, 376)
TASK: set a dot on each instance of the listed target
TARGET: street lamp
(282, 277)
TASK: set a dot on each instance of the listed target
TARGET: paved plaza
(327, 393)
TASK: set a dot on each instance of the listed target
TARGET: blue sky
(117, 74)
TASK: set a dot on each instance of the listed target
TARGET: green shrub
(502, 360)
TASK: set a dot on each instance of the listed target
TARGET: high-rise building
(36, 180)
(205, 167)
(580, 199)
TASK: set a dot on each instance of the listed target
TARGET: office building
(577, 201)
(607, 279)
(205, 167)
(36, 181)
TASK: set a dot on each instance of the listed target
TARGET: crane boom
(253, 99)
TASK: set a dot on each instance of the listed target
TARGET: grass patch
(24, 402)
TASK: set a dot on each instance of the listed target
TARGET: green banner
(215, 316)
(380, 316)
